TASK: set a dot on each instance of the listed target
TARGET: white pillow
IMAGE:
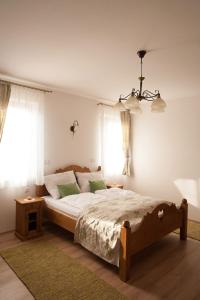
(84, 178)
(51, 182)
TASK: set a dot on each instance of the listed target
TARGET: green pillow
(97, 185)
(68, 189)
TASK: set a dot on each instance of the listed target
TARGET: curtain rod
(100, 103)
(26, 86)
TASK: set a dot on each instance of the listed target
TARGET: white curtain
(126, 131)
(4, 100)
(111, 142)
(21, 148)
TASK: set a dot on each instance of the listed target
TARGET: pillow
(51, 182)
(68, 189)
(97, 185)
(84, 178)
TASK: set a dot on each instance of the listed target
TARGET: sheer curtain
(4, 100)
(21, 148)
(111, 142)
(126, 131)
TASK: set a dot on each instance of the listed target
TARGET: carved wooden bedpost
(183, 228)
(124, 260)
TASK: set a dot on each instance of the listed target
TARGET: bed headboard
(40, 190)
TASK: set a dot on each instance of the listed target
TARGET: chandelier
(132, 100)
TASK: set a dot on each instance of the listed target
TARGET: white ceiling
(89, 47)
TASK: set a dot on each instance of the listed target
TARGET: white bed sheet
(73, 205)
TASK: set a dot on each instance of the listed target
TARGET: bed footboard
(155, 225)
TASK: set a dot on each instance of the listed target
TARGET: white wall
(61, 148)
(166, 153)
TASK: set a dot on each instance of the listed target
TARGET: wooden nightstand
(28, 218)
(114, 185)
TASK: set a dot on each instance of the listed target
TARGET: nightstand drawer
(33, 206)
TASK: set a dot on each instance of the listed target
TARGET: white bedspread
(99, 225)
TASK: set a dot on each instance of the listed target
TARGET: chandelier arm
(125, 98)
(137, 92)
(148, 98)
(150, 94)
(122, 97)
(134, 92)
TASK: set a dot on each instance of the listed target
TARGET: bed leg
(124, 261)
(183, 228)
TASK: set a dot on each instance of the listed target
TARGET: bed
(162, 220)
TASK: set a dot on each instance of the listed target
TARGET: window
(21, 148)
(111, 154)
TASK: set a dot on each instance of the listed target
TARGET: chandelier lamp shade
(132, 101)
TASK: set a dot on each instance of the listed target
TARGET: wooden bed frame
(154, 226)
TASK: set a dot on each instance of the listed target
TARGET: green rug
(193, 230)
(51, 274)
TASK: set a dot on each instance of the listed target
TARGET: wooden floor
(169, 269)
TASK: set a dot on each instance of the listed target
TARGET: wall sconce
(74, 126)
